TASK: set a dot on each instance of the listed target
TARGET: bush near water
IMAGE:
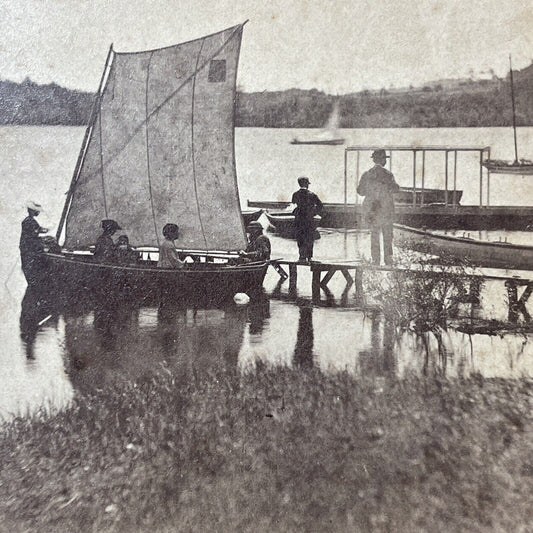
(481, 103)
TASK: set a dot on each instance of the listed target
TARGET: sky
(338, 46)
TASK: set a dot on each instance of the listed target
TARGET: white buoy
(241, 298)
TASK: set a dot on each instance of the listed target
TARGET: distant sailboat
(329, 135)
(521, 167)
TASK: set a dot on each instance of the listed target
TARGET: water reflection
(303, 351)
(79, 344)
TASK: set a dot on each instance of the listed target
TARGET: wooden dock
(323, 272)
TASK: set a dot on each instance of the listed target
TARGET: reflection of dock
(322, 273)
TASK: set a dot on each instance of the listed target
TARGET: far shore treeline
(448, 103)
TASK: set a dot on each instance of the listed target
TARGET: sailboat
(159, 148)
(329, 135)
(518, 166)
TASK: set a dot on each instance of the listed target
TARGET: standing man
(377, 185)
(258, 248)
(307, 206)
(30, 244)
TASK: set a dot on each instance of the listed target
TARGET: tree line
(475, 104)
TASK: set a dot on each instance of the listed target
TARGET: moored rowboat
(472, 251)
(283, 223)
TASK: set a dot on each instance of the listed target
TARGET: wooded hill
(468, 103)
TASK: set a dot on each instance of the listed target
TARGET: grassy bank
(281, 450)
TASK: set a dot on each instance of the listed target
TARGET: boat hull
(195, 281)
(283, 224)
(328, 142)
(509, 168)
(471, 251)
(249, 215)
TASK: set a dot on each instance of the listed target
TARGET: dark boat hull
(328, 142)
(283, 224)
(249, 215)
(472, 251)
(216, 281)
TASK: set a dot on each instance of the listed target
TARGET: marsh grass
(276, 450)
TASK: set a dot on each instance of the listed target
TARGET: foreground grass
(281, 450)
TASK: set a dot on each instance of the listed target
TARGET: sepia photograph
(266, 266)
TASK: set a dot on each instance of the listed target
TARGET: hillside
(454, 104)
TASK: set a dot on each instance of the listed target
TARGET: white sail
(162, 149)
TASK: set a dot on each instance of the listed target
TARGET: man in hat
(377, 185)
(30, 244)
(258, 248)
(307, 206)
(105, 250)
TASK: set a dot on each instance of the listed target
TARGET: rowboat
(159, 148)
(249, 215)
(471, 251)
(283, 223)
(325, 142)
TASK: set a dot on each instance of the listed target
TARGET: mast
(514, 114)
(84, 144)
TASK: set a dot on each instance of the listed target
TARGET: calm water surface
(52, 352)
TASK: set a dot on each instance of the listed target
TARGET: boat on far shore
(472, 251)
(249, 215)
(329, 135)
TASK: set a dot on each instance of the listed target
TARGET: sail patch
(217, 71)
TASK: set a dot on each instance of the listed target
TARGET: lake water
(50, 354)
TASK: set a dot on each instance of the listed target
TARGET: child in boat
(105, 249)
(168, 255)
(125, 253)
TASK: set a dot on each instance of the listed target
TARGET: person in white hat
(30, 244)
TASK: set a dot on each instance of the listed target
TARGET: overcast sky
(333, 45)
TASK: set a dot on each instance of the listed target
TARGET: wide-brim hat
(255, 224)
(378, 154)
(30, 204)
(109, 224)
(303, 180)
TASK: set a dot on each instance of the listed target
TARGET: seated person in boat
(258, 248)
(126, 255)
(31, 245)
(169, 257)
(105, 250)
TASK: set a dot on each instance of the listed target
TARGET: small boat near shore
(283, 223)
(471, 251)
(138, 167)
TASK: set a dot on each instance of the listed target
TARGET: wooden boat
(472, 251)
(522, 167)
(159, 148)
(249, 215)
(427, 196)
(283, 223)
(329, 135)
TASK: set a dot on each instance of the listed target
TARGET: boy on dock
(307, 206)
(378, 185)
